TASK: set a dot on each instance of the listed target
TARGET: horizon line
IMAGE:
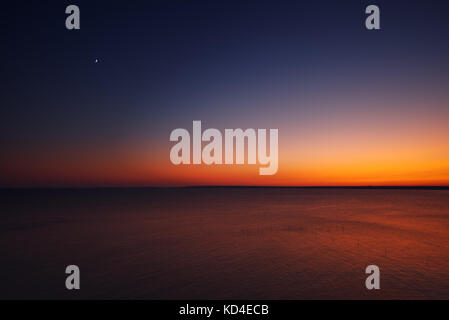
(409, 187)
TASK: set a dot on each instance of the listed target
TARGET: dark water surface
(236, 243)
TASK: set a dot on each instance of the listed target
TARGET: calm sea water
(213, 243)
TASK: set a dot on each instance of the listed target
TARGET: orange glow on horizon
(384, 150)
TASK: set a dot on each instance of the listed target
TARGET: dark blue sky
(232, 63)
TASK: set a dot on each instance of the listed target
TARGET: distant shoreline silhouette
(230, 187)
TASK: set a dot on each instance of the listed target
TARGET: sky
(352, 106)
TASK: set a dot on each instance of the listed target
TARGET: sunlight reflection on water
(226, 243)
